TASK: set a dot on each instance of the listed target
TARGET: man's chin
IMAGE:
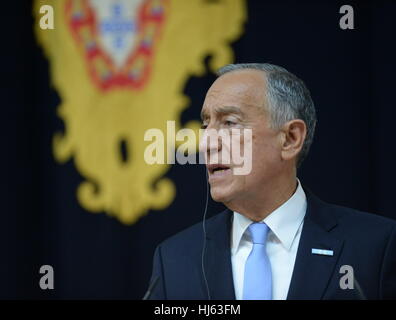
(220, 195)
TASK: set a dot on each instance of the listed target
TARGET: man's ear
(293, 136)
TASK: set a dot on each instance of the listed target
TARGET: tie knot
(258, 232)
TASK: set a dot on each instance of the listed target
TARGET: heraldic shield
(119, 67)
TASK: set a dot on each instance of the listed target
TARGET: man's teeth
(219, 170)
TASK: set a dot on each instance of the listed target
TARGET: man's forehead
(236, 92)
(229, 102)
(222, 109)
(240, 83)
(216, 94)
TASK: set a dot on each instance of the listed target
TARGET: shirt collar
(284, 221)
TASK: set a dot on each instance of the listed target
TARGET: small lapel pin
(322, 252)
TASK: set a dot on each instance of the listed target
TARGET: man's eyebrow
(228, 109)
(222, 110)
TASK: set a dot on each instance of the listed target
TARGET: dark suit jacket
(364, 241)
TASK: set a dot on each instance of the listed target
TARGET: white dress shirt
(282, 242)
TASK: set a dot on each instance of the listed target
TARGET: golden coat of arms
(119, 67)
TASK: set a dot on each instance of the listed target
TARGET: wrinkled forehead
(234, 93)
(243, 96)
(245, 86)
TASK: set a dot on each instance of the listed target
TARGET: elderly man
(276, 240)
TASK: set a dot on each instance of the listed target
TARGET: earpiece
(204, 235)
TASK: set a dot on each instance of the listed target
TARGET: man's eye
(229, 123)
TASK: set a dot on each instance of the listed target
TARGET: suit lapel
(218, 258)
(312, 272)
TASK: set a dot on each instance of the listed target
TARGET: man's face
(237, 100)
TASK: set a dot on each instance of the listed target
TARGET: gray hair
(288, 99)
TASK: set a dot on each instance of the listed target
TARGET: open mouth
(217, 168)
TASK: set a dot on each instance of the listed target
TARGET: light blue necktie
(257, 284)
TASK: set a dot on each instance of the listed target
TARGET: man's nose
(210, 141)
